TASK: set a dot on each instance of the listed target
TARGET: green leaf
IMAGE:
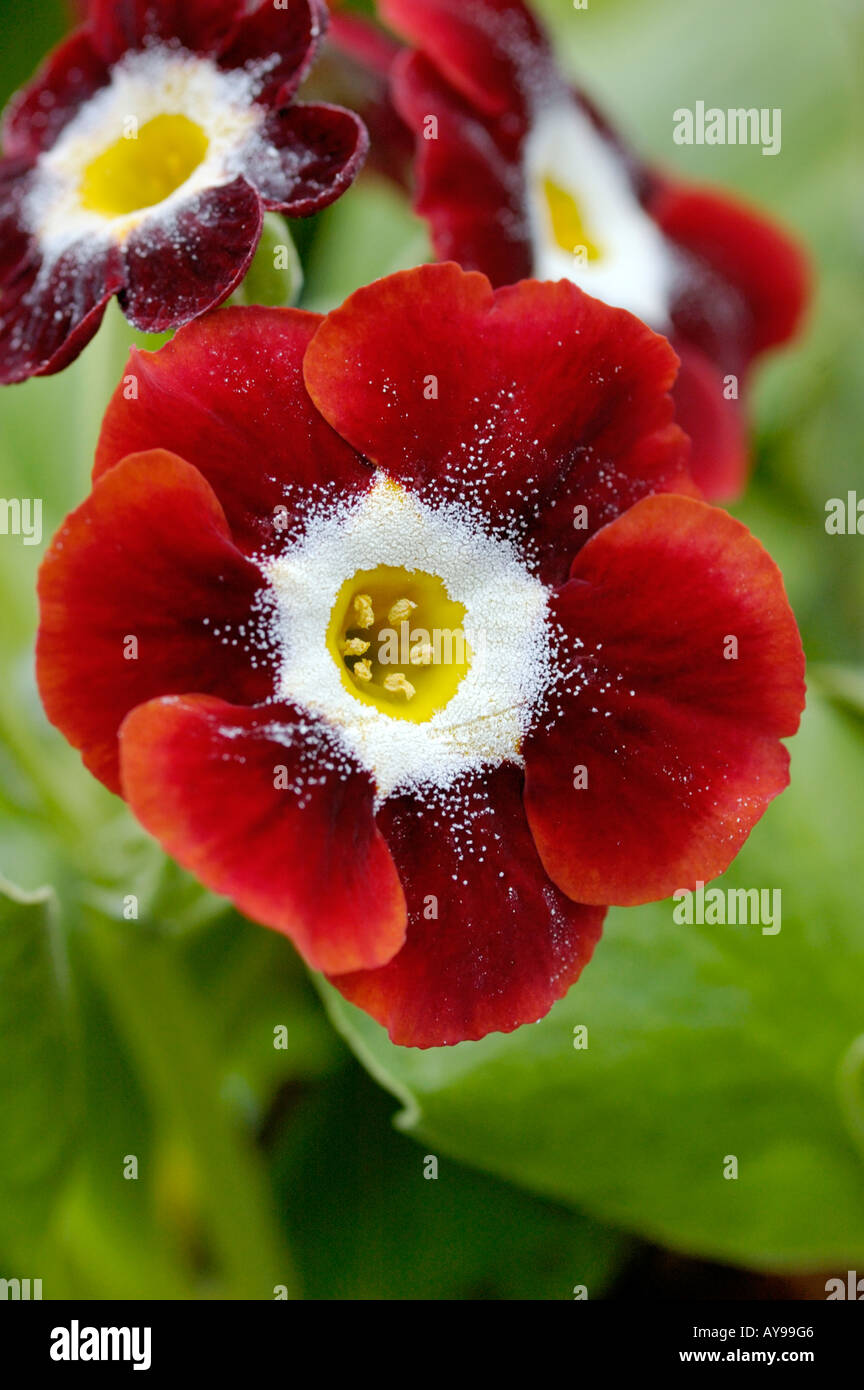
(703, 1042)
(368, 233)
(38, 1091)
(209, 1190)
(406, 1228)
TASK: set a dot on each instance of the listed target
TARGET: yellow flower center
(397, 638)
(145, 168)
(568, 227)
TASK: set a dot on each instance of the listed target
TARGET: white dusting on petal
(160, 80)
(505, 627)
(637, 268)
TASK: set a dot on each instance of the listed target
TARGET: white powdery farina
(636, 269)
(505, 627)
(160, 80)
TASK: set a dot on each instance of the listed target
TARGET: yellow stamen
(401, 609)
(421, 655)
(364, 613)
(397, 684)
(375, 653)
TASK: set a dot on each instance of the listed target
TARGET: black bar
(283, 1338)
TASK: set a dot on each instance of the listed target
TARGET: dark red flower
(383, 627)
(522, 177)
(140, 162)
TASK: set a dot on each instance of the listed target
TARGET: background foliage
(260, 1166)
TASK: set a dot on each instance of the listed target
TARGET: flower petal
(227, 394)
(491, 942)
(507, 400)
(260, 805)
(179, 266)
(278, 43)
(715, 425)
(678, 737)
(469, 179)
(199, 25)
(16, 243)
(38, 112)
(49, 311)
(491, 52)
(147, 556)
(317, 152)
(760, 282)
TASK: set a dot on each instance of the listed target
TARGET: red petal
(607, 484)
(147, 555)
(680, 744)
(492, 51)
(16, 242)
(280, 43)
(37, 114)
(469, 179)
(491, 942)
(49, 312)
(304, 858)
(319, 151)
(179, 266)
(542, 392)
(200, 25)
(766, 271)
(365, 41)
(715, 425)
(227, 394)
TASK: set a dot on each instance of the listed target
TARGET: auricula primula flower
(519, 175)
(140, 162)
(396, 627)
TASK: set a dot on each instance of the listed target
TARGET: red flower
(141, 159)
(521, 170)
(239, 631)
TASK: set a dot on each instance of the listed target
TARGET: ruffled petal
(278, 45)
(49, 311)
(263, 807)
(507, 400)
(38, 112)
(199, 25)
(748, 282)
(227, 394)
(179, 266)
(314, 153)
(715, 424)
(469, 181)
(143, 593)
(493, 52)
(491, 942)
(683, 670)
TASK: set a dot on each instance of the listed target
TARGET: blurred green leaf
(207, 1184)
(38, 1073)
(703, 1042)
(368, 233)
(394, 1233)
